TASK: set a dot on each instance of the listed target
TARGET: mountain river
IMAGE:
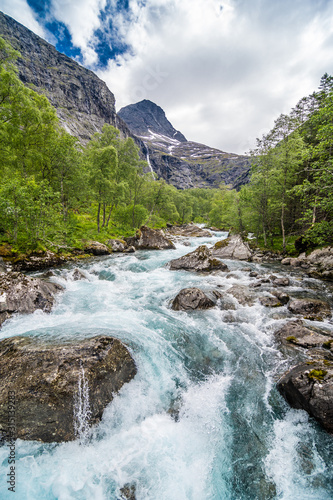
(202, 419)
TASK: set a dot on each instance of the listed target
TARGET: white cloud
(82, 19)
(222, 75)
(20, 10)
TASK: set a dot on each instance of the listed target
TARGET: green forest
(56, 193)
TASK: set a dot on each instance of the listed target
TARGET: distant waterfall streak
(82, 411)
(149, 164)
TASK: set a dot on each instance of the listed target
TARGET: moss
(328, 344)
(221, 244)
(317, 374)
(291, 338)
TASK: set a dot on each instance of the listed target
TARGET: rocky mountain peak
(146, 118)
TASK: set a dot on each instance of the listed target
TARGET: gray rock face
(22, 294)
(296, 333)
(150, 239)
(2, 266)
(117, 245)
(46, 379)
(83, 101)
(200, 260)
(96, 248)
(146, 115)
(309, 386)
(232, 248)
(314, 309)
(190, 299)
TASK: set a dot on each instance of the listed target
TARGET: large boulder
(60, 390)
(150, 239)
(117, 245)
(189, 231)
(38, 261)
(313, 309)
(297, 333)
(200, 260)
(96, 248)
(242, 294)
(23, 294)
(190, 299)
(232, 248)
(3, 267)
(309, 386)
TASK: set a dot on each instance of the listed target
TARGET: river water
(202, 419)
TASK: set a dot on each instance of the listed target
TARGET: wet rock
(309, 386)
(96, 248)
(286, 261)
(128, 492)
(200, 260)
(23, 294)
(3, 267)
(282, 296)
(246, 269)
(189, 231)
(313, 309)
(38, 262)
(45, 378)
(117, 245)
(278, 281)
(150, 239)
(296, 333)
(130, 249)
(191, 299)
(243, 295)
(253, 274)
(270, 301)
(232, 248)
(232, 275)
(78, 275)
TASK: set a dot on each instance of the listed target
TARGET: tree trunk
(98, 216)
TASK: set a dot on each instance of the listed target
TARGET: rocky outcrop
(298, 334)
(200, 260)
(232, 248)
(318, 264)
(189, 231)
(191, 299)
(96, 248)
(150, 239)
(23, 294)
(313, 309)
(309, 386)
(51, 381)
(38, 261)
(117, 245)
(3, 267)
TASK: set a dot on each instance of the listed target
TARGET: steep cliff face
(83, 101)
(180, 162)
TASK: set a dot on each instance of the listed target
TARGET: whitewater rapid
(202, 419)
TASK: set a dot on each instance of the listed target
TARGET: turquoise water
(201, 420)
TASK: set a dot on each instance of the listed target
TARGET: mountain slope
(83, 101)
(181, 162)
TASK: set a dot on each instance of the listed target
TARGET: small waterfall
(82, 411)
(149, 164)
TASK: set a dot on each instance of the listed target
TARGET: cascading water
(202, 419)
(81, 408)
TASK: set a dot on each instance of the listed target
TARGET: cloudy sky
(223, 70)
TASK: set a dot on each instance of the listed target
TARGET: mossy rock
(317, 374)
(221, 244)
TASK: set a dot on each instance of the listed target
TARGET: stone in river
(45, 379)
